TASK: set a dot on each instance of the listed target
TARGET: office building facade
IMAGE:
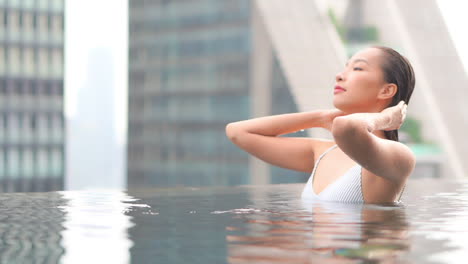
(31, 95)
(190, 73)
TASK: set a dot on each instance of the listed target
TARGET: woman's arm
(385, 158)
(259, 137)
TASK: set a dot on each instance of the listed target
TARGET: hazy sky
(96, 24)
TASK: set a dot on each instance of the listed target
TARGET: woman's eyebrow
(357, 60)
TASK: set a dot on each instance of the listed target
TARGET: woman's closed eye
(357, 68)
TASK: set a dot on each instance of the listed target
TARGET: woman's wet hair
(397, 70)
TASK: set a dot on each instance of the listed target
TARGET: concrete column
(261, 66)
(309, 51)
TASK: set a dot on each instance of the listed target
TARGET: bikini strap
(321, 156)
(326, 151)
(401, 193)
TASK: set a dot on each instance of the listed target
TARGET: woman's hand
(395, 115)
(329, 116)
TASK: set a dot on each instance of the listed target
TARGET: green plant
(338, 25)
(412, 127)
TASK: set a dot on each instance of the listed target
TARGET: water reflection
(67, 227)
(96, 226)
(248, 224)
(30, 227)
(322, 233)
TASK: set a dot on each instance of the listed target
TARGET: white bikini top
(347, 188)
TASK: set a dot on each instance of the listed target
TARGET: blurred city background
(121, 94)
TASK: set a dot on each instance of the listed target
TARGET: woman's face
(358, 86)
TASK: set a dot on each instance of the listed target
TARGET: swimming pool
(246, 224)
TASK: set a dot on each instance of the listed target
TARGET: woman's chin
(344, 106)
(340, 105)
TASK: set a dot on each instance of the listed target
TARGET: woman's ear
(388, 91)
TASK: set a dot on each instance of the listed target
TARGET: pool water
(246, 224)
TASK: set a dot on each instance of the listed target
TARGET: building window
(43, 4)
(42, 26)
(2, 130)
(28, 60)
(5, 18)
(49, 22)
(43, 61)
(28, 163)
(58, 5)
(57, 162)
(2, 163)
(33, 122)
(13, 21)
(34, 21)
(57, 27)
(3, 87)
(20, 19)
(29, 4)
(5, 121)
(14, 60)
(13, 162)
(13, 128)
(2, 21)
(2, 59)
(57, 62)
(42, 163)
(28, 25)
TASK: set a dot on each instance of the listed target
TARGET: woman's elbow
(232, 132)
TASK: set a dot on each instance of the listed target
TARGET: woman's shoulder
(402, 149)
(399, 156)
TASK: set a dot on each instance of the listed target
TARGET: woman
(364, 163)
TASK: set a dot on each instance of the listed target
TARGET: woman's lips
(339, 89)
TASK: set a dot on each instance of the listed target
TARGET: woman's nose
(339, 77)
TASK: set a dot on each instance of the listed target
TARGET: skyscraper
(31, 95)
(190, 73)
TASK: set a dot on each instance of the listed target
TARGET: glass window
(28, 163)
(34, 20)
(26, 128)
(5, 18)
(58, 5)
(2, 60)
(57, 162)
(28, 4)
(42, 163)
(13, 162)
(42, 30)
(13, 20)
(33, 123)
(57, 128)
(42, 4)
(28, 61)
(5, 122)
(28, 26)
(49, 22)
(14, 3)
(2, 26)
(42, 128)
(13, 126)
(20, 19)
(2, 163)
(2, 129)
(14, 60)
(57, 27)
(43, 62)
(57, 63)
